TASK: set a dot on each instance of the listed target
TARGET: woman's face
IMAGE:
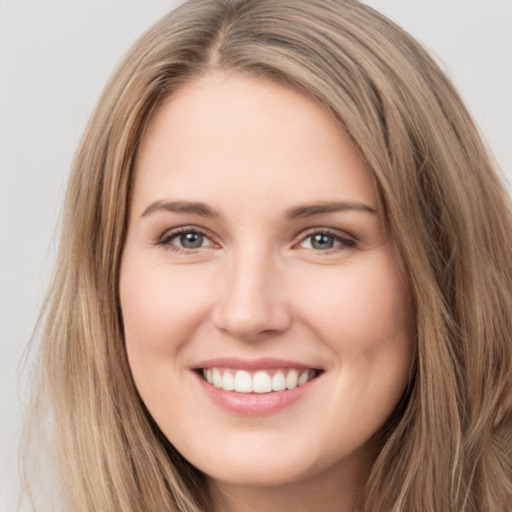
(256, 258)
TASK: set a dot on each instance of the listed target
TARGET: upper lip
(251, 364)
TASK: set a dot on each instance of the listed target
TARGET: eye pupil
(320, 241)
(191, 240)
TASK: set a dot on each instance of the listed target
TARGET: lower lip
(255, 404)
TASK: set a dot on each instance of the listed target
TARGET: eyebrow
(310, 210)
(181, 207)
(298, 212)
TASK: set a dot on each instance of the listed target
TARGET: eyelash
(345, 243)
(165, 240)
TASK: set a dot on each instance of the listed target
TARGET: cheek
(163, 309)
(361, 309)
(160, 307)
(365, 316)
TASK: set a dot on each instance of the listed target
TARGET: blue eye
(323, 241)
(190, 240)
(187, 239)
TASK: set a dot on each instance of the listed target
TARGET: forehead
(252, 135)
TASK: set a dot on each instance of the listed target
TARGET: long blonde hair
(448, 446)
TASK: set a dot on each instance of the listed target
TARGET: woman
(284, 278)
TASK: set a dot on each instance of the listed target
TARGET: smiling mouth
(259, 381)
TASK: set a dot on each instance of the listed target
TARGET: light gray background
(55, 56)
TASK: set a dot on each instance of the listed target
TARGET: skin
(258, 286)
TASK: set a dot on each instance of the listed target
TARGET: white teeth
(260, 381)
(228, 381)
(278, 381)
(292, 379)
(217, 378)
(304, 376)
(243, 382)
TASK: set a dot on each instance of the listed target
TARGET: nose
(252, 303)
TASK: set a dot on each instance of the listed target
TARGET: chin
(270, 474)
